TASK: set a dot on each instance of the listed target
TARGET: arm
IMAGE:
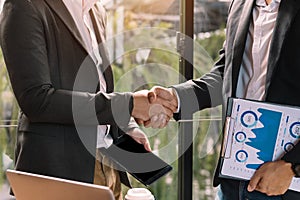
(190, 96)
(22, 37)
(202, 93)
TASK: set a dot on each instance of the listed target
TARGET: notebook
(28, 186)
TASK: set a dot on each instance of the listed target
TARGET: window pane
(209, 24)
(8, 121)
(141, 37)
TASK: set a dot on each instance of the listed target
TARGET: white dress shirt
(79, 10)
(253, 71)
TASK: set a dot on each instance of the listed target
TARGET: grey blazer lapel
(60, 9)
(287, 11)
(240, 41)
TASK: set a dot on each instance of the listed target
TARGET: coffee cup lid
(139, 194)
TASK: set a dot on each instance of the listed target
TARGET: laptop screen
(28, 186)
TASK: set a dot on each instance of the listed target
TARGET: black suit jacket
(56, 85)
(283, 72)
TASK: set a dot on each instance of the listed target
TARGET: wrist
(295, 167)
(176, 98)
(140, 104)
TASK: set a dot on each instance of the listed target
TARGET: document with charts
(255, 133)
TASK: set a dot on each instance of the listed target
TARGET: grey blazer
(44, 53)
(283, 73)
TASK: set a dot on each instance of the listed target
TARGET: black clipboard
(132, 157)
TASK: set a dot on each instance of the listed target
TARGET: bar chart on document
(257, 133)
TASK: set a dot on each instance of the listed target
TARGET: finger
(151, 124)
(142, 139)
(154, 119)
(155, 123)
(163, 124)
(168, 112)
(163, 92)
(151, 97)
(168, 104)
(261, 187)
(147, 146)
(164, 120)
(156, 109)
(254, 182)
(139, 121)
(159, 121)
(147, 123)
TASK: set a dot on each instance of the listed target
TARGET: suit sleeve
(293, 155)
(25, 52)
(202, 93)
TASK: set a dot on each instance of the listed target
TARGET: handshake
(154, 108)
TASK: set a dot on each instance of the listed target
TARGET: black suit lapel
(60, 9)
(287, 11)
(239, 43)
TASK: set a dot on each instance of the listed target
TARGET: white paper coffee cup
(139, 194)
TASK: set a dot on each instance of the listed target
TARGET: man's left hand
(272, 178)
(140, 137)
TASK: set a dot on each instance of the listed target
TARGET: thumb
(151, 96)
(253, 182)
(139, 121)
(162, 92)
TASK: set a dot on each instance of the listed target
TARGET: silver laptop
(28, 186)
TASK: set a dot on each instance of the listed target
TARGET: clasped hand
(154, 108)
(272, 178)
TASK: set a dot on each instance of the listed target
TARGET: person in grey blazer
(56, 84)
(260, 60)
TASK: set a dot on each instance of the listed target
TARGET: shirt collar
(272, 7)
(87, 5)
(263, 2)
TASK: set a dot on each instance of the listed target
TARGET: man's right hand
(165, 96)
(162, 103)
(148, 104)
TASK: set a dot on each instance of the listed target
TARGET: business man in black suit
(44, 51)
(260, 60)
